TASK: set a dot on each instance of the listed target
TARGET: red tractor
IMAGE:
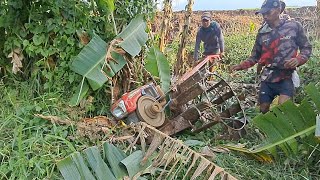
(198, 100)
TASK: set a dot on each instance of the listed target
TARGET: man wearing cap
(276, 47)
(211, 35)
(283, 15)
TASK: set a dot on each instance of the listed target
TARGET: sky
(178, 5)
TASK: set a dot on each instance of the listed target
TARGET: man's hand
(236, 67)
(292, 63)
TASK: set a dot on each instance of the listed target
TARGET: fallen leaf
(17, 57)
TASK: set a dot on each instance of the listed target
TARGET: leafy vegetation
(52, 33)
(284, 125)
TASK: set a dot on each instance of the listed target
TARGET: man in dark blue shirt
(211, 35)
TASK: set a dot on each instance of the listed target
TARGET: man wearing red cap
(211, 35)
(276, 47)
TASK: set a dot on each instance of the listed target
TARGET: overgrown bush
(50, 33)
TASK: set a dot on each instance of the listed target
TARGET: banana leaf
(158, 65)
(134, 36)
(74, 168)
(132, 163)
(170, 158)
(114, 67)
(283, 125)
(114, 156)
(90, 61)
(97, 164)
(115, 164)
(165, 155)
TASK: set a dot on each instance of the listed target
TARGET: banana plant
(284, 125)
(94, 63)
(98, 65)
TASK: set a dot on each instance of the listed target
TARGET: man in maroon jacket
(276, 47)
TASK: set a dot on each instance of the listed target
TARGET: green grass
(29, 146)
(305, 166)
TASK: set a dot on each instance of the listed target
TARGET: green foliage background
(46, 31)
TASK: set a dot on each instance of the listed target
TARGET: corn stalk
(167, 15)
(182, 48)
(318, 19)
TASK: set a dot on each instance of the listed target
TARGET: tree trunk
(181, 56)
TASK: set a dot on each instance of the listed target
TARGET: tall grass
(29, 146)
